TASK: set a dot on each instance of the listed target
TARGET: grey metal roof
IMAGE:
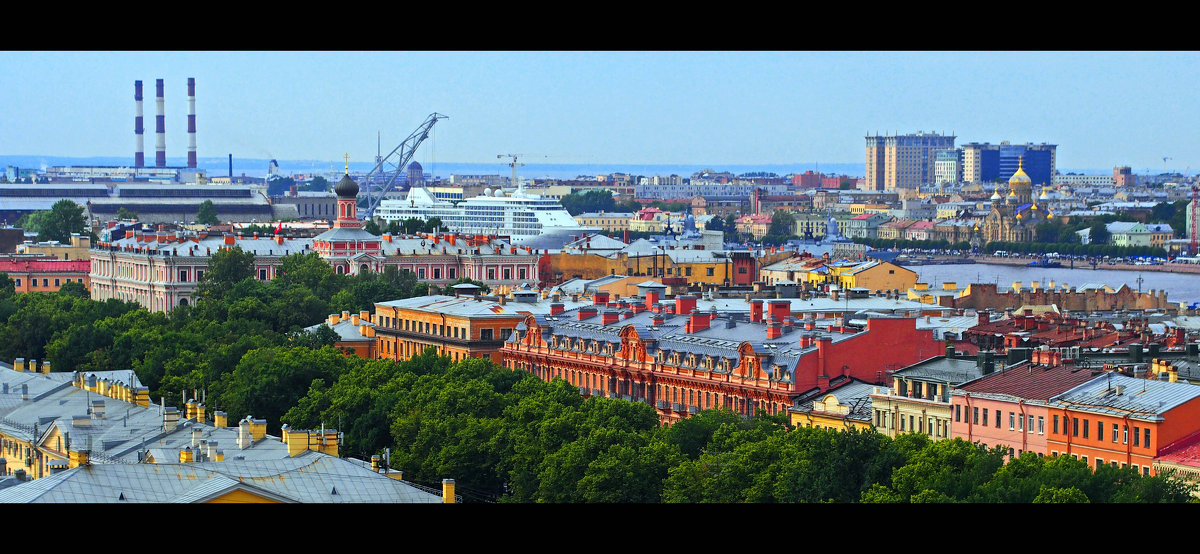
(310, 477)
(952, 371)
(1141, 398)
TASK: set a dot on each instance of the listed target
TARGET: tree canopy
(207, 213)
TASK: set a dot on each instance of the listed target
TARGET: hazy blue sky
(1102, 109)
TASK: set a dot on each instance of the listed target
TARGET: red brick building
(683, 361)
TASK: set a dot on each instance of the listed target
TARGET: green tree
(226, 268)
(316, 184)
(65, 217)
(207, 215)
(782, 224)
(126, 213)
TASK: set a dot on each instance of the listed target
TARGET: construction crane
(395, 163)
(1194, 217)
(514, 164)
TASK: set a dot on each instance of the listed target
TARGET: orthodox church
(1013, 218)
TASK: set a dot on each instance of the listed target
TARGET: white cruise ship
(517, 215)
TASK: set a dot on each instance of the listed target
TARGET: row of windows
(1141, 437)
(931, 426)
(1145, 470)
(45, 282)
(1016, 422)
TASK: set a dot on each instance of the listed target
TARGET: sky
(1102, 109)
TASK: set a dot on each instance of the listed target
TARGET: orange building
(1120, 420)
(465, 326)
(42, 274)
(356, 333)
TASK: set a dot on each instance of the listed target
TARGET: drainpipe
(1024, 425)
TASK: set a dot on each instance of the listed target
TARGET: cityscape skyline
(766, 108)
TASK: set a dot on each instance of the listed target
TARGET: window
(985, 410)
(1020, 423)
(1099, 462)
(976, 414)
(199, 275)
(1084, 458)
(1136, 440)
(1056, 425)
(521, 274)
(420, 273)
(958, 412)
(1029, 427)
(1041, 425)
(57, 282)
(507, 274)
(1125, 434)
(45, 282)
(709, 272)
(1012, 421)
(1100, 430)
(452, 272)
(1074, 427)
(437, 273)
(183, 275)
(1085, 428)
(741, 270)
(1145, 470)
(486, 334)
(1146, 438)
(491, 274)
(262, 275)
(18, 281)
(1115, 433)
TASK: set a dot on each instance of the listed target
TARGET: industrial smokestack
(191, 163)
(231, 168)
(139, 149)
(160, 133)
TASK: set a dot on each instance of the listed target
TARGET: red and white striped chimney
(139, 148)
(191, 122)
(160, 133)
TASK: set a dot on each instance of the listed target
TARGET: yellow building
(848, 406)
(872, 275)
(612, 222)
(919, 398)
(77, 249)
(57, 421)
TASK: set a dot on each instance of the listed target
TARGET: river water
(1180, 287)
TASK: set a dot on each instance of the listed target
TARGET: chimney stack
(139, 150)
(160, 133)
(191, 156)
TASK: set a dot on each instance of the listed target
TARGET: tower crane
(396, 162)
(514, 164)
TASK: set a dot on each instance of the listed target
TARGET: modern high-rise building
(947, 166)
(990, 163)
(903, 161)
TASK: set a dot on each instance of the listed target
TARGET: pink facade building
(1008, 408)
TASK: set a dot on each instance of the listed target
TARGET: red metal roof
(1031, 382)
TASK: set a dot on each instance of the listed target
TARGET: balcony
(693, 410)
(677, 407)
(661, 404)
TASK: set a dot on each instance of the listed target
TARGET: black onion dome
(346, 188)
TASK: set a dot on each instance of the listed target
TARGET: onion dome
(1020, 177)
(346, 188)
(996, 195)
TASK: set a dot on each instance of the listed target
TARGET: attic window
(333, 491)
(122, 497)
